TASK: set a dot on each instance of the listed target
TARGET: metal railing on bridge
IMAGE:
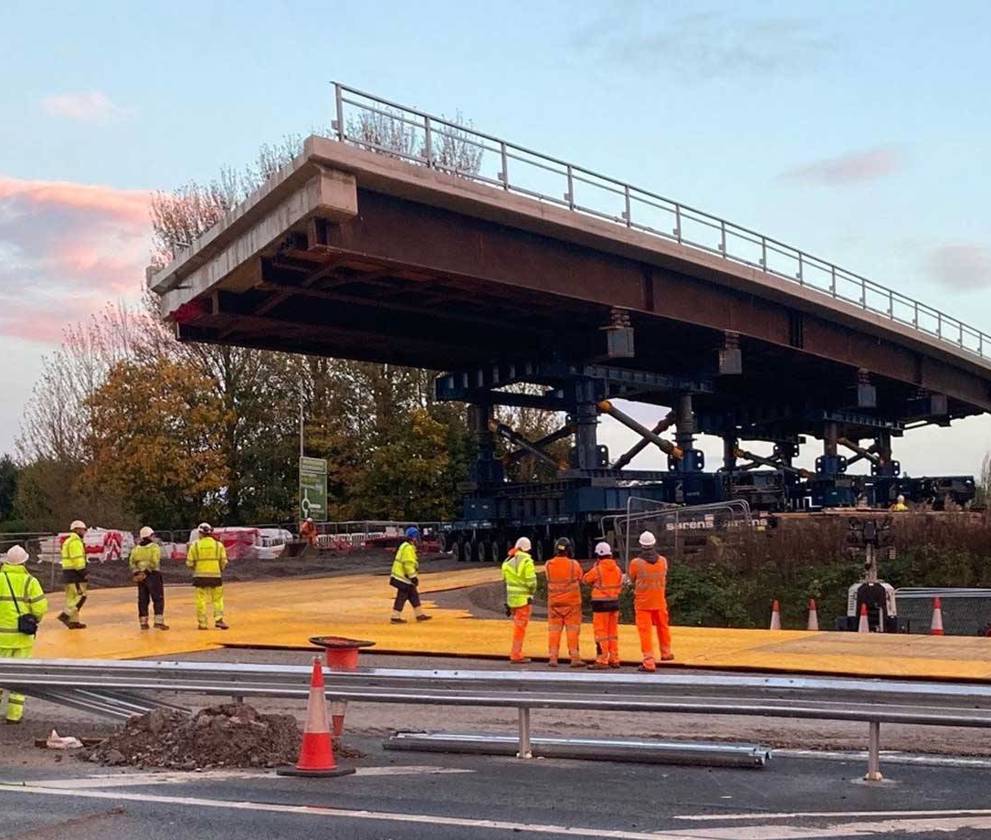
(368, 121)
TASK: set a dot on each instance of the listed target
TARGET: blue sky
(858, 131)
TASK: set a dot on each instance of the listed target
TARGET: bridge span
(407, 239)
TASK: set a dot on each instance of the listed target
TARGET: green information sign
(313, 489)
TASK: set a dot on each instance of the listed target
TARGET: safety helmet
(648, 540)
(603, 549)
(564, 546)
(146, 533)
(901, 499)
(77, 524)
(205, 528)
(15, 556)
(412, 533)
(523, 544)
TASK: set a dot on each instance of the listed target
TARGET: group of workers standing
(647, 575)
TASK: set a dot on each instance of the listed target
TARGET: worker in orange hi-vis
(648, 574)
(564, 602)
(606, 580)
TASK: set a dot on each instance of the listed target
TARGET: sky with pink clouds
(857, 131)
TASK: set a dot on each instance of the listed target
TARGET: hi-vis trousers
(15, 701)
(568, 619)
(205, 594)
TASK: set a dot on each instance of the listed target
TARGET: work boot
(143, 623)
(64, 618)
(424, 617)
(220, 624)
(646, 669)
(76, 625)
(667, 657)
(551, 663)
(397, 620)
(10, 722)
(161, 625)
(202, 627)
(577, 663)
(597, 666)
(524, 661)
(615, 665)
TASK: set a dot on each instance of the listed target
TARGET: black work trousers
(151, 589)
(405, 592)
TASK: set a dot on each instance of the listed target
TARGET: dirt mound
(231, 735)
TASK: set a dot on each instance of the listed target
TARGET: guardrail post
(801, 270)
(874, 753)
(428, 142)
(628, 213)
(891, 304)
(939, 324)
(570, 195)
(832, 280)
(863, 293)
(504, 158)
(722, 236)
(677, 222)
(763, 252)
(524, 748)
(961, 334)
(339, 111)
(915, 314)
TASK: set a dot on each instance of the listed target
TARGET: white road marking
(914, 825)
(798, 815)
(116, 780)
(889, 758)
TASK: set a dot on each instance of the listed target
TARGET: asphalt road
(451, 797)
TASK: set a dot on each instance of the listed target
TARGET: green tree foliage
(8, 487)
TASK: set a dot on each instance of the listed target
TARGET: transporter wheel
(468, 550)
(454, 546)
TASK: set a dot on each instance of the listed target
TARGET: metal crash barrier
(117, 689)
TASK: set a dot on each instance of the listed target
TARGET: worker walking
(606, 580)
(648, 573)
(521, 584)
(145, 562)
(564, 602)
(74, 575)
(207, 557)
(404, 579)
(308, 532)
(22, 606)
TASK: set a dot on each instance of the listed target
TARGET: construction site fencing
(370, 122)
(119, 689)
(679, 529)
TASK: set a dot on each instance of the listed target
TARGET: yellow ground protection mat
(286, 613)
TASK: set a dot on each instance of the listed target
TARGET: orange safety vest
(563, 582)
(606, 579)
(649, 583)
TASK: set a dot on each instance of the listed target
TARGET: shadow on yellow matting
(285, 613)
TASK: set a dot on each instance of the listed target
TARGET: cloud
(961, 266)
(85, 106)
(65, 250)
(852, 168)
(706, 45)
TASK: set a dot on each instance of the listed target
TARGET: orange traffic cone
(775, 616)
(316, 754)
(863, 627)
(936, 628)
(813, 616)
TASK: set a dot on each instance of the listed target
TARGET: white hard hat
(309, 518)
(16, 556)
(76, 524)
(901, 498)
(602, 549)
(146, 532)
(647, 539)
(523, 544)
(204, 527)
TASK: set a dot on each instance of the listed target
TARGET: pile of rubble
(231, 735)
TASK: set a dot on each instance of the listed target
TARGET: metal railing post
(722, 236)
(677, 222)
(628, 214)
(891, 304)
(570, 195)
(863, 293)
(915, 314)
(339, 110)
(504, 175)
(939, 324)
(961, 333)
(874, 752)
(801, 270)
(524, 747)
(428, 142)
(763, 252)
(832, 280)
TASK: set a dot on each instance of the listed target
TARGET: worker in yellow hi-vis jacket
(207, 557)
(404, 580)
(22, 606)
(74, 575)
